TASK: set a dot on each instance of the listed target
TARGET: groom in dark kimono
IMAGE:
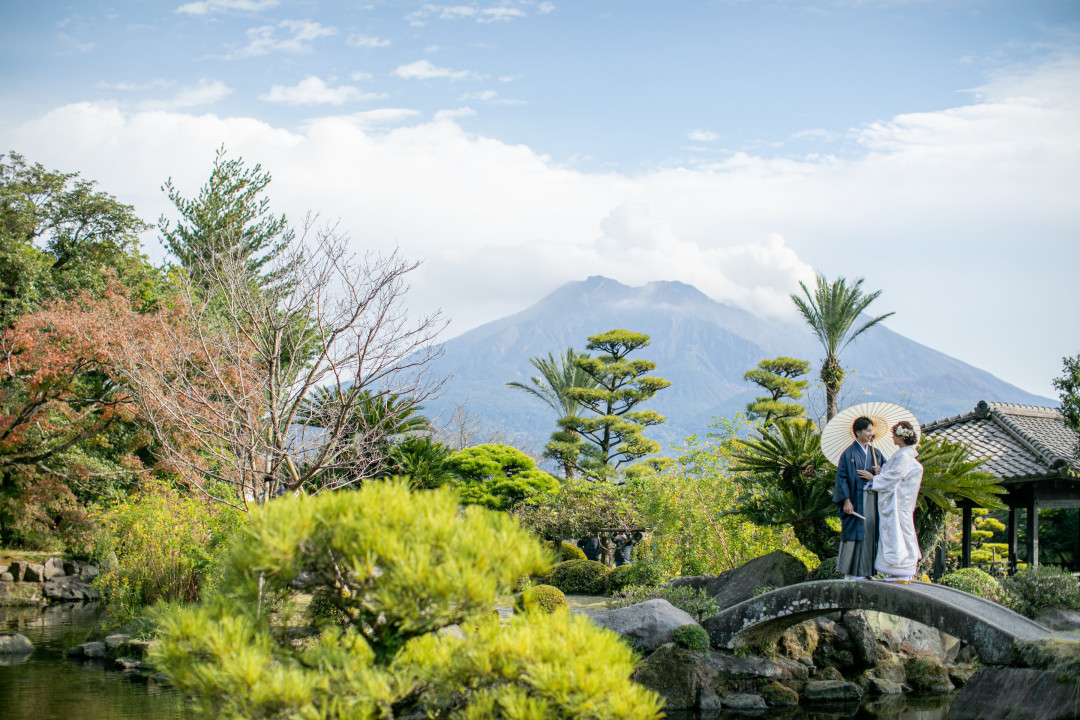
(857, 537)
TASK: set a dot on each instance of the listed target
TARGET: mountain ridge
(703, 347)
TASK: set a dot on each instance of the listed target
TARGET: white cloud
(425, 70)
(298, 37)
(545, 7)
(314, 91)
(454, 114)
(360, 75)
(209, 7)
(134, 87)
(703, 136)
(497, 13)
(70, 46)
(366, 41)
(205, 92)
(490, 96)
(940, 208)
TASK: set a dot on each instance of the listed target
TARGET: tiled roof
(1022, 441)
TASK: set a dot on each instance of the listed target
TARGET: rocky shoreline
(55, 580)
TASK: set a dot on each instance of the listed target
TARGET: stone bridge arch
(993, 631)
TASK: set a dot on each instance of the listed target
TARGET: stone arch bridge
(994, 632)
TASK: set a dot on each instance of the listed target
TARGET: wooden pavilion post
(965, 539)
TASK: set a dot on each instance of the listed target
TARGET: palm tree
(557, 376)
(949, 475)
(832, 312)
(784, 479)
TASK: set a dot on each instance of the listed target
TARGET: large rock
(1001, 693)
(649, 624)
(927, 674)
(677, 674)
(66, 588)
(704, 681)
(32, 572)
(12, 643)
(54, 567)
(1061, 620)
(830, 691)
(901, 635)
(17, 568)
(777, 569)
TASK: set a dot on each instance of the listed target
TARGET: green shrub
(541, 597)
(825, 571)
(1032, 590)
(976, 582)
(622, 577)
(691, 637)
(693, 601)
(405, 566)
(579, 577)
(569, 551)
(167, 546)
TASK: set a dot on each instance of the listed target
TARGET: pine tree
(229, 218)
(778, 378)
(612, 433)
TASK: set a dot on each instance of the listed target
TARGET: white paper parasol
(838, 435)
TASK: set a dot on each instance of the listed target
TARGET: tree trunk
(832, 376)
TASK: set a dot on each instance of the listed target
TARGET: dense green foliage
(693, 601)
(976, 582)
(691, 637)
(832, 311)
(778, 377)
(685, 505)
(398, 566)
(1034, 589)
(610, 430)
(498, 476)
(580, 577)
(69, 264)
(545, 598)
(160, 545)
(622, 577)
(785, 480)
(579, 509)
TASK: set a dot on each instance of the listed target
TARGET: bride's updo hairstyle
(905, 432)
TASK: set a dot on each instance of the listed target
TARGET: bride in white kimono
(897, 488)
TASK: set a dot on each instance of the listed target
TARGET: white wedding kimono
(897, 488)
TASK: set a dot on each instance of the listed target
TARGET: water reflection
(45, 684)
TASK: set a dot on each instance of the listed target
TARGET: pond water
(47, 685)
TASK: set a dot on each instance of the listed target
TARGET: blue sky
(931, 147)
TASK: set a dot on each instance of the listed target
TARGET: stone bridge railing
(993, 631)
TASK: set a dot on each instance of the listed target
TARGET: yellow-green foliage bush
(579, 577)
(167, 546)
(540, 597)
(569, 551)
(399, 566)
(622, 577)
(976, 582)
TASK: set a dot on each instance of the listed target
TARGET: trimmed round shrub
(976, 582)
(569, 551)
(691, 637)
(1032, 590)
(580, 577)
(544, 598)
(620, 578)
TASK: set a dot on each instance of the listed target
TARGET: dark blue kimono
(850, 486)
